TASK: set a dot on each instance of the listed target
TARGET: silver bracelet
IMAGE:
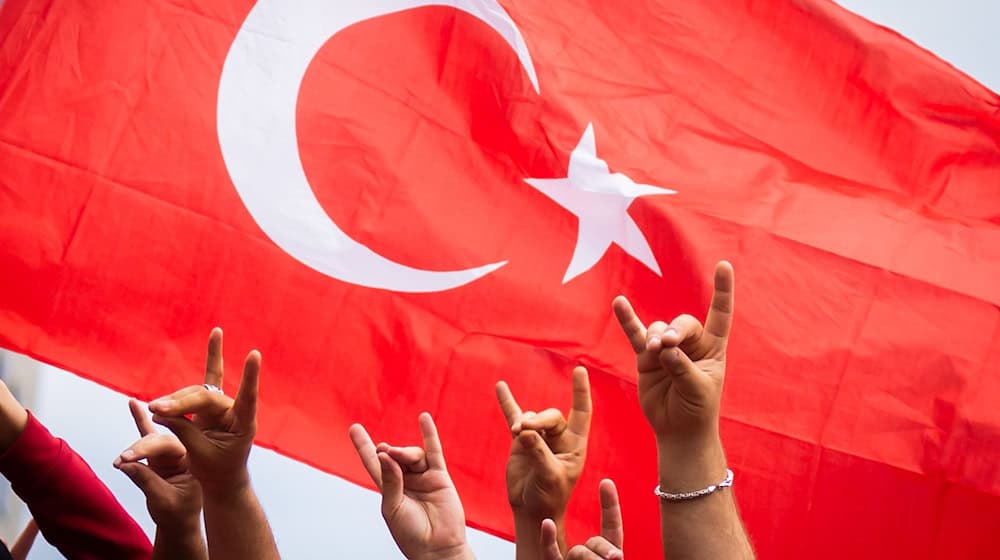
(697, 493)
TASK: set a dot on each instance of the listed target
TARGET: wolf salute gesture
(682, 366)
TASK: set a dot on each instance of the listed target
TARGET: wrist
(234, 486)
(690, 465)
(533, 517)
(528, 531)
(181, 529)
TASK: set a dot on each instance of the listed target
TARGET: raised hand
(220, 433)
(546, 458)
(173, 494)
(218, 439)
(681, 369)
(419, 501)
(607, 546)
(682, 365)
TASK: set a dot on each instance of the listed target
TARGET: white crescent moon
(258, 92)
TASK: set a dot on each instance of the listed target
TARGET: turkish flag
(401, 204)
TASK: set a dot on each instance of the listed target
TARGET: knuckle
(684, 319)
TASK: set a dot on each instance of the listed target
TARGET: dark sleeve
(75, 511)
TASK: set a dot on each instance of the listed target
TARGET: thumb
(392, 485)
(190, 435)
(531, 444)
(143, 477)
(689, 379)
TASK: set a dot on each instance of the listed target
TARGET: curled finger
(604, 549)
(198, 400)
(550, 422)
(156, 447)
(581, 552)
(410, 459)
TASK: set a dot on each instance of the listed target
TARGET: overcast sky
(319, 516)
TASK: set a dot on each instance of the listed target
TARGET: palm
(172, 460)
(224, 450)
(419, 501)
(682, 365)
(535, 486)
(430, 516)
(548, 451)
(166, 457)
(184, 500)
(675, 405)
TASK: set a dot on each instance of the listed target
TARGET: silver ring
(213, 388)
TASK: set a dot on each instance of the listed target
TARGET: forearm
(528, 534)
(705, 527)
(75, 512)
(236, 525)
(180, 542)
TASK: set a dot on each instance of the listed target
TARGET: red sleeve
(74, 510)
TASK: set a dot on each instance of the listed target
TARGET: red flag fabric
(344, 220)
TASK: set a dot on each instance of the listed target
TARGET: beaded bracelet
(697, 493)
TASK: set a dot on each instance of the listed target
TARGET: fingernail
(653, 341)
(117, 462)
(128, 454)
(672, 332)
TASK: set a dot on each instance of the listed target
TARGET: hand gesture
(607, 546)
(220, 433)
(548, 451)
(419, 501)
(173, 495)
(682, 365)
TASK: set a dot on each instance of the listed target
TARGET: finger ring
(213, 388)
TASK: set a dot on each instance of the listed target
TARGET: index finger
(433, 452)
(366, 452)
(720, 312)
(158, 447)
(579, 415)
(508, 404)
(213, 363)
(142, 421)
(634, 330)
(611, 514)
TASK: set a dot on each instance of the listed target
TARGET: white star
(600, 200)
